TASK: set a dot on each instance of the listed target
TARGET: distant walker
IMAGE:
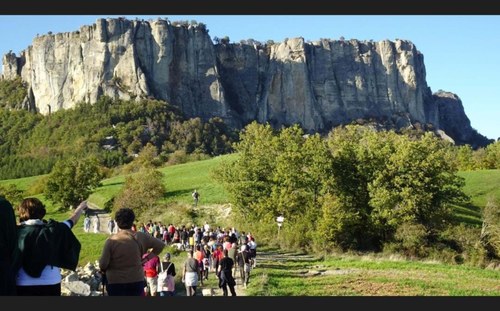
(196, 197)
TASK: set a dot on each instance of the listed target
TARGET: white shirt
(50, 274)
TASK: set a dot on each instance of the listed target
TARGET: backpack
(166, 280)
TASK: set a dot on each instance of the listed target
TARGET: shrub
(490, 231)
(411, 239)
(38, 186)
(466, 241)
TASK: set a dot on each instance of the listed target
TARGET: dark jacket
(8, 249)
(225, 272)
(52, 243)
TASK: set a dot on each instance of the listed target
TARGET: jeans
(126, 289)
(166, 293)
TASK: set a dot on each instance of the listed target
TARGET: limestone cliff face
(317, 84)
(326, 83)
(122, 59)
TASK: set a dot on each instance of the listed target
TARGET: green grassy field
(180, 181)
(288, 274)
(481, 186)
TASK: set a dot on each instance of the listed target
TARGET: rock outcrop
(317, 84)
(85, 281)
(454, 122)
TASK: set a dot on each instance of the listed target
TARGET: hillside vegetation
(113, 131)
(181, 179)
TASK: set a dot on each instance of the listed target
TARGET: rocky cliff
(318, 84)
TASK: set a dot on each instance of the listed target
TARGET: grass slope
(180, 181)
(481, 186)
(288, 274)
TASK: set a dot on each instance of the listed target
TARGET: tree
(492, 158)
(464, 157)
(141, 190)
(147, 158)
(248, 179)
(72, 181)
(417, 184)
(11, 193)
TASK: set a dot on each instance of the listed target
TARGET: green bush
(466, 241)
(490, 231)
(412, 239)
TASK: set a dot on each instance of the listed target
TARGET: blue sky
(461, 52)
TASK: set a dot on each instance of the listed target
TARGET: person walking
(196, 197)
(244, 264)
(226, 274)
(111, 226)
(190, 273)
(96, 224)
(86, 224)
(151, 272)
(169, 267)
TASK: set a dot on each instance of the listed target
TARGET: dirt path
(103, 216)
(211, 288)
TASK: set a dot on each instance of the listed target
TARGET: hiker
(206, 261)
(226, 274)
(8, 249)
(86, 223)
(199, 254)
(96, 224)
(111, 226)
(115, 227)
(232, 252)
(45, 248)
(151, 272)
(217, 256)
(121, 259)
(190, 274)
(169, 267)
(253, 251)
(244, 264)
(196, 197)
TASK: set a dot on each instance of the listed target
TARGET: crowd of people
(207, 249)
(33, 250)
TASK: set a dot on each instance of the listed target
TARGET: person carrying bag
(166, 280)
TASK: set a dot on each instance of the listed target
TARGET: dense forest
(114, 131)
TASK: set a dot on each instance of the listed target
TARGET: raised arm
(78, 212)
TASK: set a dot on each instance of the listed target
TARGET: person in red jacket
(151, 273)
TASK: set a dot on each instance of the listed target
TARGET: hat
(167, 255)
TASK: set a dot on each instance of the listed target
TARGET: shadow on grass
(113, 184)
(467, 213)
(177, 193)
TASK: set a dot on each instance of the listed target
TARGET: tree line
(356, 189)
